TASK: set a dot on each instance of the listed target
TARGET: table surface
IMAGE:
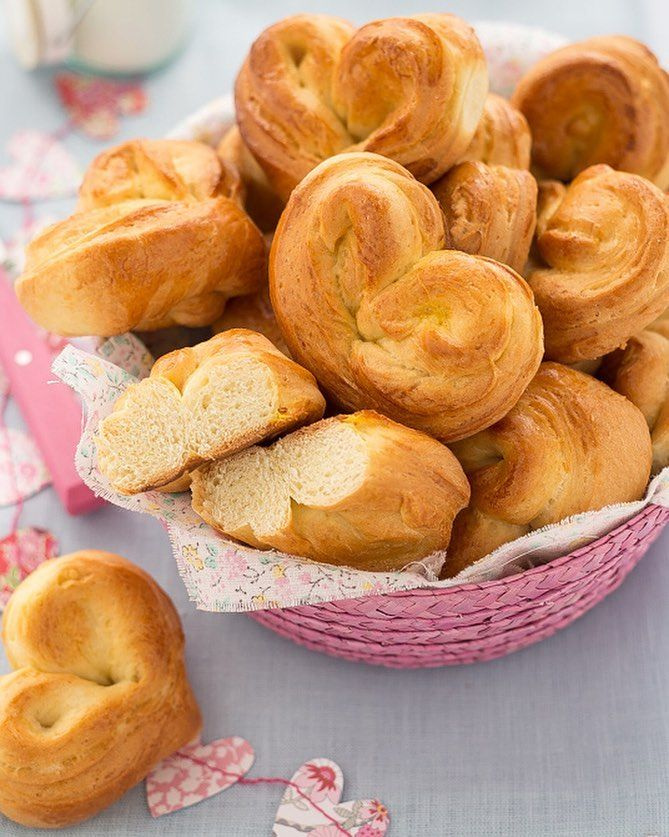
(569, 737)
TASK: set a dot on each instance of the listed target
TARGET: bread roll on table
(99, 693)
(410, 88)
(200, 404)
(369, 302)
(159, 239)
(569, 445)
(358, 490)
(603, 100)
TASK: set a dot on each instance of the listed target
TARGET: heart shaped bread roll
(200, 404)
(502, 137)
(412, 89)
(640, 372)
(159, 239)
(369, 302)
(605, 241)
(99, 693)
(569, 445)
(489, 211)
(357, 490)
(603, 100)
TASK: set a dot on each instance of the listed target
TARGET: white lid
(39, 30)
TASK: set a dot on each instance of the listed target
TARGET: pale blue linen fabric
(570, 737)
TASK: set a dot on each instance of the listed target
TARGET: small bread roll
(370, 303)
(569, 445)
(200, 404)
(99, 693)
(489, 211)
(253, 312)
(640, 372)
(603, 100)
(261, 202)
(160, 239)
(502, 137)
(357, 490)
(605, 241)
(410, 88)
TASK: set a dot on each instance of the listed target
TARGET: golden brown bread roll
(160, 240)
(200, 404)
(606, 247)
(569, 445)
(640, 372)
(412, 89)
(502, 137)
(368, 301)
(254, 312)
(489, 211)
(260, 201)
(603, 100)
(358, 490)
(99, 693)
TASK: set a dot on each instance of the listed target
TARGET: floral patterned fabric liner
(221, 575)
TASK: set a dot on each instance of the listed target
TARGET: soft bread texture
(489, 211)
(502, 137)
(604, 242)
(159, 239)
(260, 201)
(200, 404)
(640, 372)
(99, 693)
(603, 100)
(569, 445)
(357, 490)
(253, 312)
(312, 86)
(368, 301)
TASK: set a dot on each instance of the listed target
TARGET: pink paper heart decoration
(22, 470)
(197, 772)
(41, 168)
(312, 802)
(95, 104)
(20, 553)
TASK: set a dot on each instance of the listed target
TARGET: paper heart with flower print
(197, 772)
(311, 805)
(41, 168)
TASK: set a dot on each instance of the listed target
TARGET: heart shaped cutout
(41, 168)
(196, 772)
(95, 104)
(21, 553)
(22, 470)
(311, 805)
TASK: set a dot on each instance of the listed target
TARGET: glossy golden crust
(260, 201)
(502, 137)
(569, 445)
(157, 243)
(397, 508)
(603, 100)
(254, 312)
(412, 89)
(489, 211)
(384, 318)
(99, 692)
(606, 244)
(640, 372)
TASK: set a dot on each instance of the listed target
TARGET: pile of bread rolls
(473, 290)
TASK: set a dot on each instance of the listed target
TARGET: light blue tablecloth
(570, 737)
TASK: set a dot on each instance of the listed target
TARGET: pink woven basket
(471, 622)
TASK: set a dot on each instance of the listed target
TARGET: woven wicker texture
(472, 622)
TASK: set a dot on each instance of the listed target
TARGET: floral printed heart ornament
(196, 772)
(311, 805)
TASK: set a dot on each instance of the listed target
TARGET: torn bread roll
(200, 404)
(356, 490)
